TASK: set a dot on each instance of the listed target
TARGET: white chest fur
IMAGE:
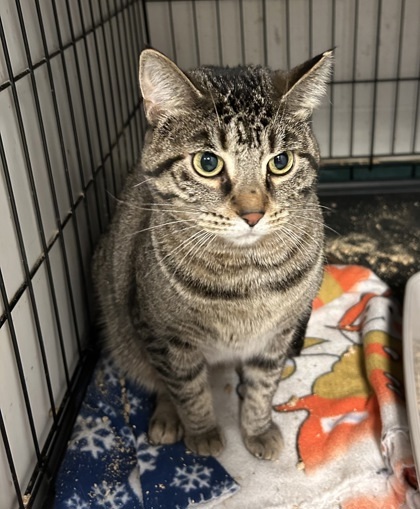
(234, 349)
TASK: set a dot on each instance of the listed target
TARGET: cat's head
(232, 149)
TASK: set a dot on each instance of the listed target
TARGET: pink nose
(252, 218)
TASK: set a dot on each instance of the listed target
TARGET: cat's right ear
(303, 87)
(165, 88)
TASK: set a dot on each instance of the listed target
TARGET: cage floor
(381, 232)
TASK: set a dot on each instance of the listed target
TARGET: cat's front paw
(266, 445)
(165, 428)
(209, 443)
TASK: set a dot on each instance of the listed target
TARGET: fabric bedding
(340, 406)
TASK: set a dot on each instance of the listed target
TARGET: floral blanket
(340, 406)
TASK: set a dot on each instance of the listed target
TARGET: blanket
(340, 406)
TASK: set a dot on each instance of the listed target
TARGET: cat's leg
(299, 335)
(185, 376)
(261, 376)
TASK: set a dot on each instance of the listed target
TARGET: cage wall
(70, 130)
(371, 114)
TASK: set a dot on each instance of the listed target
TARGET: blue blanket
(110, 464)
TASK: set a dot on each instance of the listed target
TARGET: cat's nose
(252, 218)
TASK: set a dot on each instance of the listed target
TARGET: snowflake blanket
(340, 406)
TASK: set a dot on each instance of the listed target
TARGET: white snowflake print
(110, 374)
(135, 403)
(107, 409)
(91, 435)
(75, 502)
(127, 437)
(146, 454)
(192, 477)
(223, 488)
(110, 496)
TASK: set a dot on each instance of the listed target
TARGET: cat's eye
(207, 164)
(281, 163)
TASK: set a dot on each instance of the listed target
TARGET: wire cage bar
(71, 127)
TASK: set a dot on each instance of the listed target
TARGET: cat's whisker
(179, 230)
(160, 240)
(203, 242)
(329, 209)
(280, 106)
(213, 237)
(158, 226)
(193, 239)
(317, 222)
(208, 241)
(280, 237)
(138, 207)
(277, 235)
(308, 207)
(305, 232)
(114, 197)
(143, 182)
(332, 230)
(215, 109)
(196, 248)
(189, 209)
(204, 234)
(166, 204)
(301, 227)
(172, 252)
(313, 206)
(186, 259)
(181, 207)
(295, 239)
(183, 244)
(214, 228)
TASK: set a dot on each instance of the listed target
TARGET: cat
(215, 251)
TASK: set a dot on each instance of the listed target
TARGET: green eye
(281, 163)
(207, 164)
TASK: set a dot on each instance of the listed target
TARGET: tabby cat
(215, 252)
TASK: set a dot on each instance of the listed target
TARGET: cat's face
(231, 151)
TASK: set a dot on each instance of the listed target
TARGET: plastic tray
(411, 353)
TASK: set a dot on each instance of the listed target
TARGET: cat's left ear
(166, 90)
(304, 86)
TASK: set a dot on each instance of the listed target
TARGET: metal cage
(71, 127)
(70, 130)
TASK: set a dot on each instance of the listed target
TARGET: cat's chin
(246, 239)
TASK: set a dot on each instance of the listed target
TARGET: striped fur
(183, 282)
